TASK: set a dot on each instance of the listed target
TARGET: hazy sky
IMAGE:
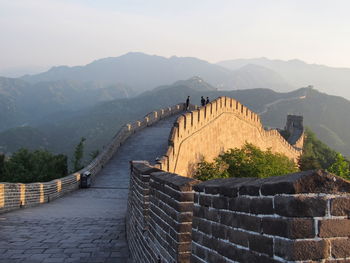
(72, 32)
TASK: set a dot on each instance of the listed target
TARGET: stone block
(261, 244)
(334, 228)
(340, 248)
(240, 204)
(293, 228)
(300, 206)
(316, 181)
(238, 237)
(340, 206)
(261, 205)
(302, 249)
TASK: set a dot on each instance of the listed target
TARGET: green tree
(316, 154)
(207, 171)
(249, 161)
(38, 166)
(78, 155)
(340, 167)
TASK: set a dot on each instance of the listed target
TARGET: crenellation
(224, 132)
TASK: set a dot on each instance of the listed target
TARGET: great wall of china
(223, 124)
(170, 217)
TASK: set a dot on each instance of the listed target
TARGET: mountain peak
(196, 83)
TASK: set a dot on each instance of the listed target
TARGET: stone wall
(302, 217)
(16, 195)
(220, 125)
(159, 215)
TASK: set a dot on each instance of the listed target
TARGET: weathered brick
(292, 228)
(220, 202)
(340, 248)
(227, 250)
(248, 222)
(205, 200)
(199, 251)
(238, 237)
(214, 257)
(334, 228)
(316, 181)
(261, 244)
(196, 198)
(261, 206)
(195, 258)
(251, 188)
(197, 236)
(183, 257)
(240, 204)
(219, 231)
(300, 206)
(340, 206)
(226, 218)
(302, 249)
(204, 226)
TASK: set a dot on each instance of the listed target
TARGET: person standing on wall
(202, 101)
(207, 101)
(188, 103)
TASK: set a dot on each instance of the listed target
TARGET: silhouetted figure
(202, 101)
(188, 102)
(207, 101)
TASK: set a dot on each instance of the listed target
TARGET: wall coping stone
(314, 181)
(174, 180)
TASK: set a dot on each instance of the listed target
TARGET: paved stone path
(87, 225)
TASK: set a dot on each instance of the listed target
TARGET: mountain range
(297, 73)
(324, 114)
(24, 103)
(54, 109)
(144, 72)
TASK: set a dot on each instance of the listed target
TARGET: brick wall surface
(220, 125)
(16, 195)
(301, 217)
(159, 216)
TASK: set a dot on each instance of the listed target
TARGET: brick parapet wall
(224, 123)
(300, 217)
(159, 216)
(16, 195)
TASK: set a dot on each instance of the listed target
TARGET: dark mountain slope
(22, 103)
(326, 115)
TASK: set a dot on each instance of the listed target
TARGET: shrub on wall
(249, 161)
(38, 166)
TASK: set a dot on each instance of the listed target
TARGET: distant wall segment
(16, 195)
(220, 125)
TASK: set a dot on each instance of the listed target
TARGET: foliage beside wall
(249, 161)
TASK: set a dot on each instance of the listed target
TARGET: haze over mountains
(335, 81)
(22, 103)
(54, 109)
(100, 122)
(143, 72)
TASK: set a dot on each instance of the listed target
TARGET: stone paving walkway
(87, 225)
